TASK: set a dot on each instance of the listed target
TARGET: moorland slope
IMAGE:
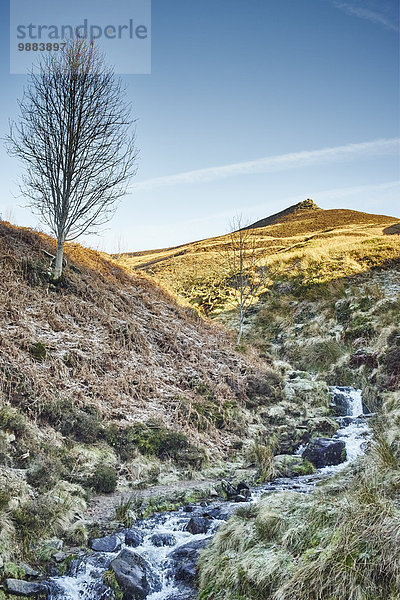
(303, 240)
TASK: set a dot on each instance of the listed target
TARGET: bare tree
(76, 138)
(245, 273)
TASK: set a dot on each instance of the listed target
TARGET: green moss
(38, 351)
(104, 479)
(306, 468)
(110, 581)
(153, 440)
(13, 571)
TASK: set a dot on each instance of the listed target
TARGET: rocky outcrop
(324, 452)
(109, 543)
(29, 589)
(340, 401)
(184, 560)
(198, 525)
(134, 576)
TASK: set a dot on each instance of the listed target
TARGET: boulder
(134, 537)
(29, 572)
(163, 539)
(28, 589)
(198, 525)
(134, 575)
(325, 452)
(184, 560)
(340, 402)
(243, 490)
(109, 543)
(288, 465)
(228, 489)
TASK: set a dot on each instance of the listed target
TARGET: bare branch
(76, 138)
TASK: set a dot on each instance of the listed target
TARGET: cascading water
(354, 430)
(84, 580)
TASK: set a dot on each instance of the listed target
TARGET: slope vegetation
(103, 379)
(342, 541)
(312, 243)
(107, 383)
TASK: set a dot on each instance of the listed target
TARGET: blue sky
(252, 105)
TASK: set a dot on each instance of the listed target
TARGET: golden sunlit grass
(315, 246)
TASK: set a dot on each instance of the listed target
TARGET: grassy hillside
(331, 309)
(341, 542)
(106, 382)
(315, 245)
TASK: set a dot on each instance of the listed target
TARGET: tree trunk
(59, 257)
(240, 326)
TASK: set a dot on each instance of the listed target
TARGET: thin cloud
(369, 15)
(270, 164)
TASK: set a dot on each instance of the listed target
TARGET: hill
(342, 540)
(107, 383)
(306, 205)
(303, 241)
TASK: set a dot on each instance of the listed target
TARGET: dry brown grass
(113, 341)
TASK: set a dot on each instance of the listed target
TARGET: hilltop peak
(304, 205)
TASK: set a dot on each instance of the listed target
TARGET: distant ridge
(300, 206)
(293, 227)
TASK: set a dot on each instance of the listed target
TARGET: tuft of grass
(104, 479)
(125, 511)
(38, 351)
(263, 458)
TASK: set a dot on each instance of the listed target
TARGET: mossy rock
(153, 440)
(286, 465)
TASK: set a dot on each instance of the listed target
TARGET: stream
(160, 551)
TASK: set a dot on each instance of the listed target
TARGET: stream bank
(156, 559)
